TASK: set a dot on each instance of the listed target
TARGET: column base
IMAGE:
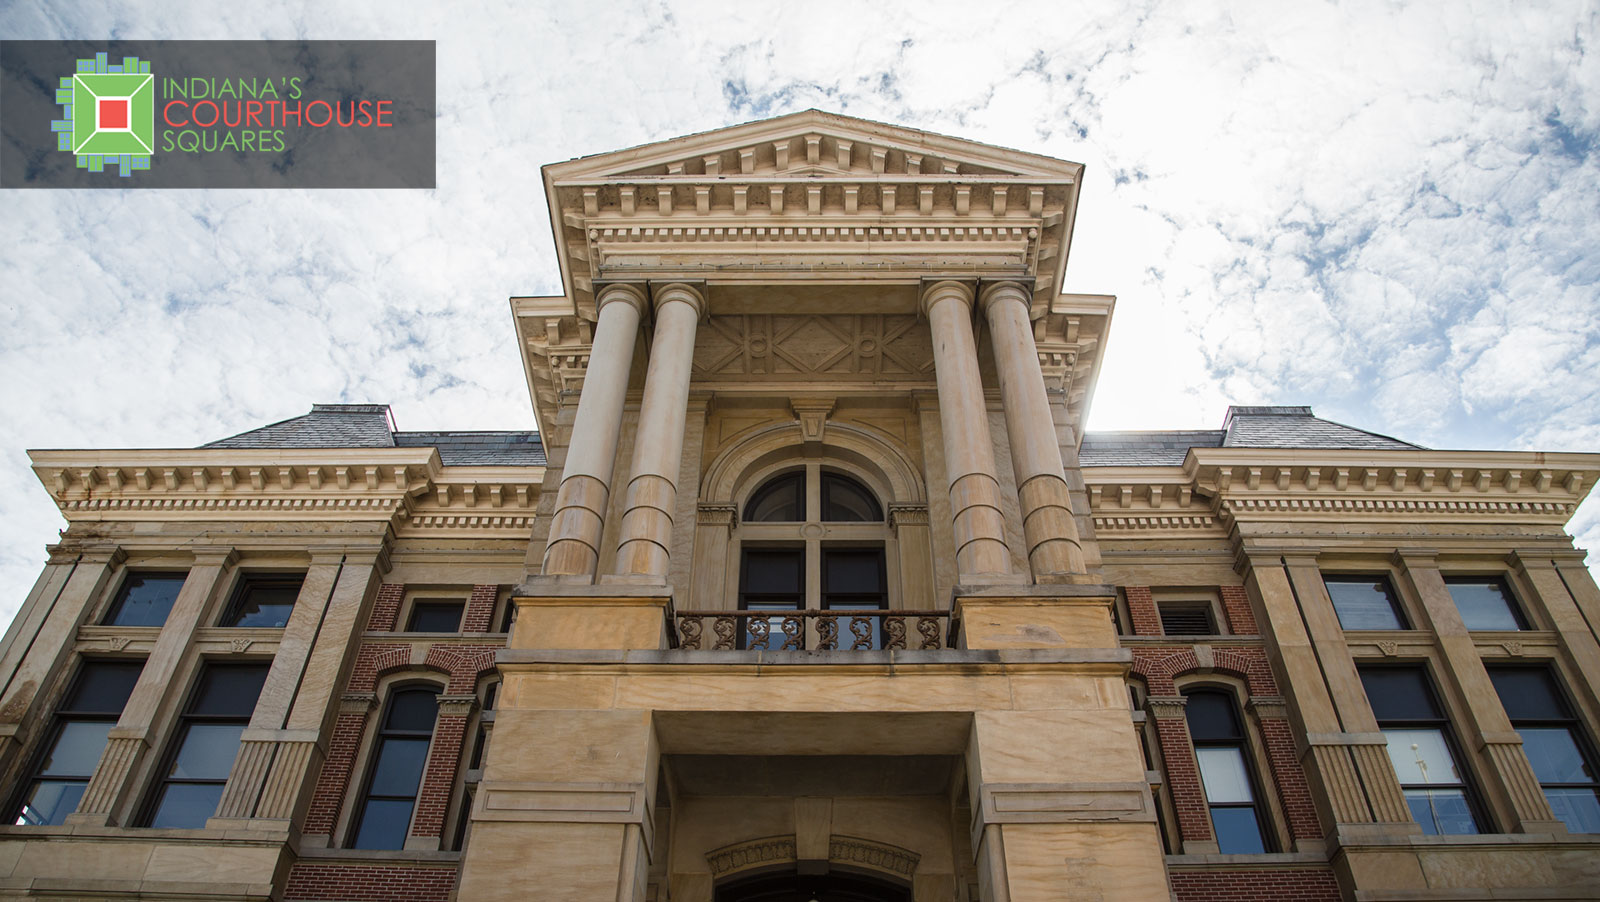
(612, 617)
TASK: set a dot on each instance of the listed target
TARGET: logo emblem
(109, 114)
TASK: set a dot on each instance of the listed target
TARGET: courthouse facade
(812, 588)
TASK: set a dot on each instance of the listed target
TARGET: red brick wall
(1183, 779)
(434, 797)
(1293, 790)
(1142, 608)
(328, 797)
(1296, 885)
(464, 663)
(387, 608)
(374, 660)
(480, 609)
(1236, 604)
(369, 883)
(1159, 665)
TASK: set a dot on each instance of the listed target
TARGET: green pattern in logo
(109, 114)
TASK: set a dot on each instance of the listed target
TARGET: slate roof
(1243, 427)
(372, 426)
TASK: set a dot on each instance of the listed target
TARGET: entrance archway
(791, 886)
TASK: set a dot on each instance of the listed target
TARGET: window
(1563, 761)
(1219, 747)
(264, 600)
(1187, 619)
(206, 744)
(1421, 749)
(1485, 604)
(813, 539)
(1365, 602)
(435, 617)
(145, 599)
(853, 580)
(77, 739)
(398, 760)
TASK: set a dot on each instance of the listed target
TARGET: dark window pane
(207, 752)
(1528, 693)
(852, 571)
(264, 601)
(413, 710)
(383, 824)
(1441, 811)
(1555, 756)
(145, 599)
(229, 690)
(1399, 693)
(1484, 604)
(76, 750)
(1211, 717)
(1579, 809)
(435, 617)
(1186, 620)
(1364, 603)
(103, 687)
(846, 501)
(50, 802)
(398, 769)
(782, 500)
(773, 572)
(1238, 831)
(186, 805)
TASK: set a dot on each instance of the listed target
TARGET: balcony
(828, 630)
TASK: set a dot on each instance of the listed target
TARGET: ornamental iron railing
(826, 630)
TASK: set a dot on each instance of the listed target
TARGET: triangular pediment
(812, 144)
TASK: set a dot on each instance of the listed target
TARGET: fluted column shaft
(1052, 535)
(981, 554)
(574, 546)
(646, 541)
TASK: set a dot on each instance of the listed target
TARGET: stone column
(1486, 727)
(574, 547)
(1054, 552)
(159, 686)
(646, 542)
(981, 554)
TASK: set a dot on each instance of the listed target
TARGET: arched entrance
(789, 886)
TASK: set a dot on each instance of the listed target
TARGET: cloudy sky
(1388, 211)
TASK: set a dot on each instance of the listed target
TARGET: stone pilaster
(981, 554)
(1512, 789)
(1054, 552)
(160, 685)
(574, 547)
(645, 547)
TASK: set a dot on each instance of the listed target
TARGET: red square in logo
(113, 114)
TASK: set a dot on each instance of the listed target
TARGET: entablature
(408, 487)
(1215, 487)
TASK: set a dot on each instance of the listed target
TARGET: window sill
(371, 855)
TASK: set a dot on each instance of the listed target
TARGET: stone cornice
(1216, 486)
(406, 486)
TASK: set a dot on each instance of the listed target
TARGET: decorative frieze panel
(889, 347)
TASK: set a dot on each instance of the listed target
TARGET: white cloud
(1385, 211)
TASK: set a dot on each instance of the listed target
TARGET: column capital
(691, 293)
(993, 291)
(632, 293)
(936, 290)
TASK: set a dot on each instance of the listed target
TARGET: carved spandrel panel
(892, 347)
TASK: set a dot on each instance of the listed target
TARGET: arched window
(398, 760)
(1225, 770)
(812, 539)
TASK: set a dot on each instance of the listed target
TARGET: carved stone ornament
(1512, 648)
(752, 854)
(239, 645)
(1389, 648)
(118, 643)
(892, 859)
